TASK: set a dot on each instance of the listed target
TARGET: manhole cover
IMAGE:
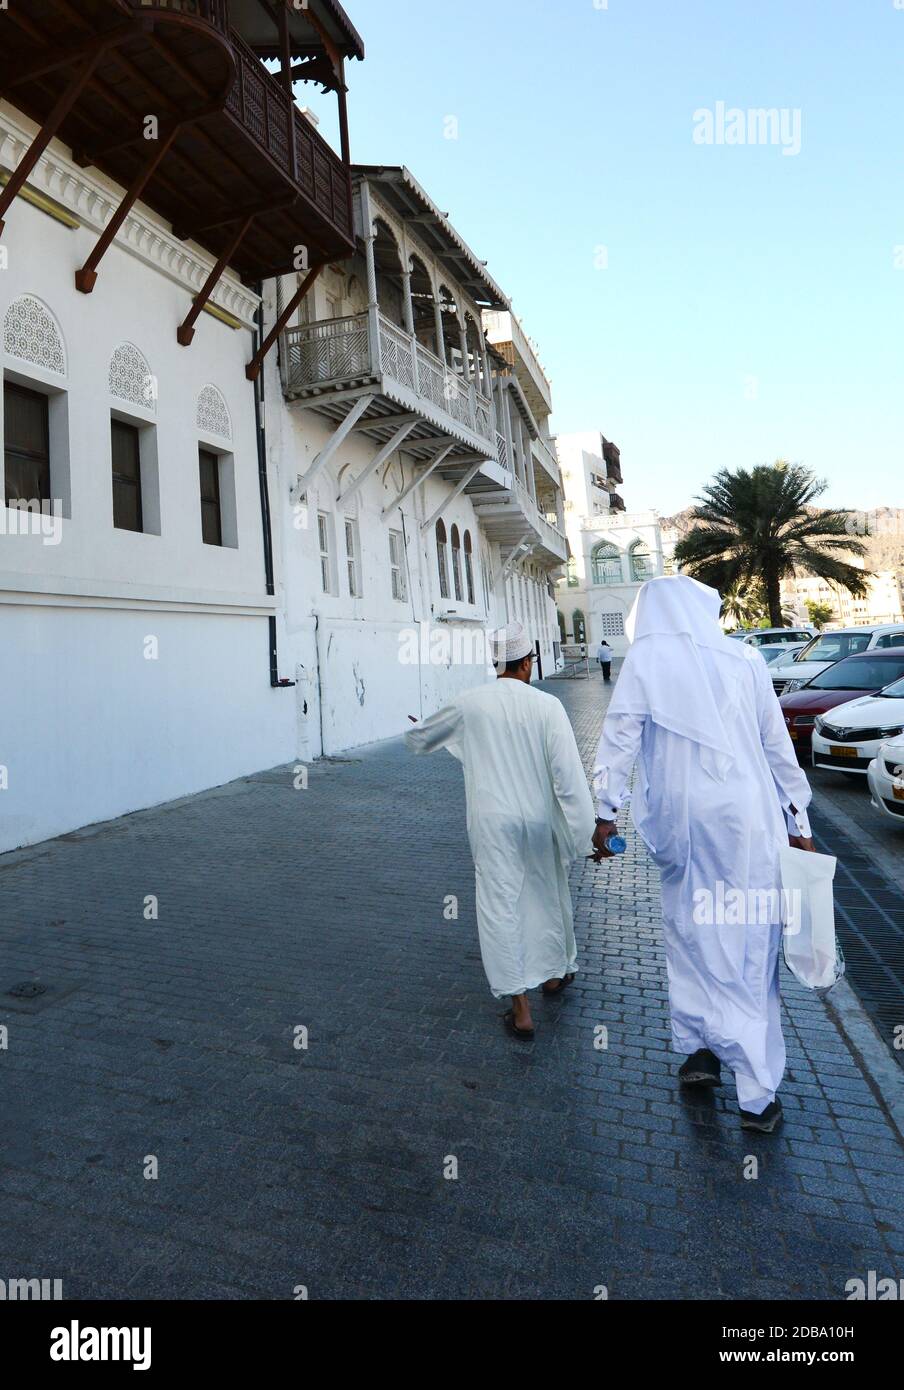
(29, 989)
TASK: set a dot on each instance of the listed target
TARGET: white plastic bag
(812, 953)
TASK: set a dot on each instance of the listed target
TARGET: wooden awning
(237, 148)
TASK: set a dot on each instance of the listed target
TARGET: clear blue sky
(725, 263)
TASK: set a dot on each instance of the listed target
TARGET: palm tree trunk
(774, 597)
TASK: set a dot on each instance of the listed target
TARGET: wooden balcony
(511, 517)
(230, 146)
(326, 365)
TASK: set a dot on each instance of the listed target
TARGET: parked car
(771, 636)
(853, 733)
(829, 647)
(885, 776)
(780, 653)
(853, 677)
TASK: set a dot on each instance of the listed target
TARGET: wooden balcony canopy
(232, 162)
(311, 29)
(401, 190)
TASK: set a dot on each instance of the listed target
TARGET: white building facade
(611, 551)
(414, 500)
(231, 536)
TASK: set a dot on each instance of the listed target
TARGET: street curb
(870, 1052)
(885, 1077)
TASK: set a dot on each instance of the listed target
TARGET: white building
(611, 551)
(408, 464)
(880, 604)
(258, 527)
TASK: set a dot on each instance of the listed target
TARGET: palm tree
(744, 606)
(760, 527)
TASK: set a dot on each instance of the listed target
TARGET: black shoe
(770, 1119)
(522, 1034)
(702, 1069)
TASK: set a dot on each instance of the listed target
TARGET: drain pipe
(266, 521)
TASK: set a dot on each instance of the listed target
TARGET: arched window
(469, 567)
(580, 627)
(641, 563)
(451, 330)
(423, 305)
(441, 560)
(605, 563)
(560, 619)
(388, 263)
(475, 354)
(456, 563)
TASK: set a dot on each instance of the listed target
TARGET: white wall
(88, 727)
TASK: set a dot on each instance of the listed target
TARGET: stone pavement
(278, 1166)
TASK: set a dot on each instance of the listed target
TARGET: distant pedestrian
(530, 814)
(604, 657)
(718, 792)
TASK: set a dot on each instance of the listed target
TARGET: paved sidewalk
(324, 1167)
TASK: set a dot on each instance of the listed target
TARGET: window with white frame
(326, 559)
(441, 560)
(353, 557)
(397, 566)
(456, 564)
(469, 567)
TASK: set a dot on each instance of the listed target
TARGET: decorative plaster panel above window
(30, 333)
(213, 413)
(131, 378)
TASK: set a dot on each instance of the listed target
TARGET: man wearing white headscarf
(529, 815)
(718, 791)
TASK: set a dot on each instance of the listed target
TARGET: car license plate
(838, 752)
(898, 793)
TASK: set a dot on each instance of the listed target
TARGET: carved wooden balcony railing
(361, 349)
(263, 108)
(232, 145)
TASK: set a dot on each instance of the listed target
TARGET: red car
(866, 673)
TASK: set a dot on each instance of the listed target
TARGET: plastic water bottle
(616, 844)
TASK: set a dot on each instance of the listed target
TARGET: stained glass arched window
(641, 562)
(605, 563)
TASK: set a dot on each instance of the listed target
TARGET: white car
(851, 735)
(886, 780)
(829, 647)
(771, 636)
(784, 652)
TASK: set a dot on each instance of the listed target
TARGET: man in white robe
(718, 791)
(530, 814)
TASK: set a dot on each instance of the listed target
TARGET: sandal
(524, 1034)
(563, 984)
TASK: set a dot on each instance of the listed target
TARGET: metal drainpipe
(266, 523)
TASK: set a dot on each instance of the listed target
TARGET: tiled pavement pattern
(324, 1167)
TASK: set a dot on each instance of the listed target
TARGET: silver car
(823, 651)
